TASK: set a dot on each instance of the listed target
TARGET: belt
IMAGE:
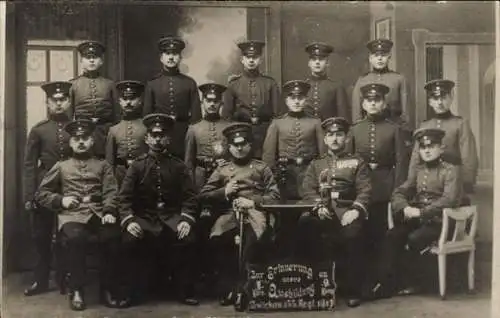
(207, 163)
(91, 199)
(123, 162)
(378, 166)
(95, 120)
(298, 161)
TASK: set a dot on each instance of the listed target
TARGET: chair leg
(471, 273)
(442, 275)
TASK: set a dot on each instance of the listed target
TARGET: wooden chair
(462, 241)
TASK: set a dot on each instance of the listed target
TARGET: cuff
(188, 218)
(57, 202)
(258, 202)
(361, 208)
(109, 210)
(127, 220)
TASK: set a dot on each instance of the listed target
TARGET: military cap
(80, 127)
(171, 44)
(158, 122)
(238, 133)
(251, 48)
(297, 87)
(319, 49)
(428, 136)
(91, 48)
(212, 90)
(56, 89)
(130, 89)
(439, 87)
(379, 45)
(374, 90)
(334, 124)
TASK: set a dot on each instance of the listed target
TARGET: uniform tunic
(91, 180)
(94, 97)
(47, 143)
(299, 139)
(201, 138)
(327, 99)
(253, 95)
(125, 142)
(349, 177)
(175, 94)
(430, 187)
(258, 184)
(397, 98)
(459, 146)
(158, 191)
(381, 142)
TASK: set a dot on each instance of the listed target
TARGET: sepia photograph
(249, 159)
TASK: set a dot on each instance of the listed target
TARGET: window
(47, 60)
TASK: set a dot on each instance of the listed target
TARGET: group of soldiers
(171, 174)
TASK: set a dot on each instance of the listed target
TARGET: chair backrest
(465, 223)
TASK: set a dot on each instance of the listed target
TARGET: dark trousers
(42, 225)
(398, 266)
(205, 262)
(327, 240)
(253, 251)
(376, 226)
(75, 238)
(158, 253)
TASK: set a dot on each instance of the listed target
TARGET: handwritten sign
(291, 286)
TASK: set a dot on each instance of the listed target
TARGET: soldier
(158, 207)
(381, 143)
(292, 141)
(397, 98)
(432, 185)
(336, 230)
(204, 149)
(459, 142)
(125, 141)
(173, 93)
(47, 143)
(82, 189)
(93, 96)
(251, 96)
(237, 188)
(204, 140)
(327, 98)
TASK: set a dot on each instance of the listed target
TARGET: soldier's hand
(108, 218)
(244, 203)
(28, 206)
(323, 213)
(349, 217)
(135, 229)
(70, 202)
(183, 229)
(411, 212)
(231, 188)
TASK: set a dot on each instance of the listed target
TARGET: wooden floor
(53, 305)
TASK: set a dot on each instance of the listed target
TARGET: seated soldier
(158, 205)
(237, 188)
(83, 190)
(334, 230)
(417, 206)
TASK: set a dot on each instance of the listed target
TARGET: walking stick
(239, 304)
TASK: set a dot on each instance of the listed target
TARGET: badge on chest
(348, 163)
